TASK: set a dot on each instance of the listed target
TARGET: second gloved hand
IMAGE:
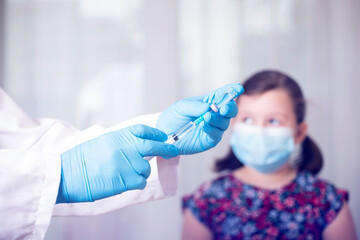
(209, 132)
(111, 163)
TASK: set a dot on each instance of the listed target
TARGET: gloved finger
(134, 181)
(115, 178)
(191, 107)
(230, 110)
(146, 132)
(217, 121)
(236, 86)
(214, 134)
(140, 165)
(153, 148)
(215, 95)
(131, 164)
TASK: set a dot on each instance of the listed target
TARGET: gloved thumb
(155, 145)
(217, 94)
(191, 107)
(149, 133)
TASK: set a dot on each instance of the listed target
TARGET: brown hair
(311, 158)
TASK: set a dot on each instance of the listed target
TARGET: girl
(271, 191)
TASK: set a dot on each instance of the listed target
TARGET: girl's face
(273, 108)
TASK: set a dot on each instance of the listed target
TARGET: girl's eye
(248, 120)
(274, 122)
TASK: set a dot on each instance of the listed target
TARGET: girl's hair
(261, 82)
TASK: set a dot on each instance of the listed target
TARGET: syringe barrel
(229, 95)
(177, 136)
(183, 131)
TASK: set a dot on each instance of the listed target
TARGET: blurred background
(102, 62)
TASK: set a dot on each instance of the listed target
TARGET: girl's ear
(301, 133)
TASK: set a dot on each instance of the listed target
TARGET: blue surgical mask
(266, 149)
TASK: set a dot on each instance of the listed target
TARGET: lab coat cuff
(167, 176)
(48, 195)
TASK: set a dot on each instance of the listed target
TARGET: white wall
(82, 60)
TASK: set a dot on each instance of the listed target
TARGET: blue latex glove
(208, 133)
(111, 163)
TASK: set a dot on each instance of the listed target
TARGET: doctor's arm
(161, 174)
(30, 161)
(204, 137)
(30, 167)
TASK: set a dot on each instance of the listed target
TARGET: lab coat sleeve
(30, 168)
(28, 189)
(161, 183)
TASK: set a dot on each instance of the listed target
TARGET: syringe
(229, 95)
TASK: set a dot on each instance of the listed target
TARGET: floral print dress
(231, 209)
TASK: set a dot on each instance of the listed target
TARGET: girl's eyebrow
(241, 113)
(246, 111)
(277, 114)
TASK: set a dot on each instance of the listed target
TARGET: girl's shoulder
(202, 200)
(323, 197)
(306, 182)
(215, 188)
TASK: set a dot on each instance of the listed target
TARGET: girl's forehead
(272, 100)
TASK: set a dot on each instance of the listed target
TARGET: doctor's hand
(111, 163)
(209, 132)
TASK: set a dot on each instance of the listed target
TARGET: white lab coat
(30, 172)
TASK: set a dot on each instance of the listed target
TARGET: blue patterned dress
(231, 209)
